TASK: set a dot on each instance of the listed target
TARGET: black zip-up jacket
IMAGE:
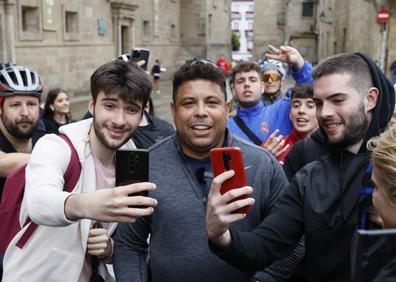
(322, 203)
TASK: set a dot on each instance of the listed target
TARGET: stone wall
(66, 44)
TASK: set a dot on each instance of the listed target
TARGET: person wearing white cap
(273, 71)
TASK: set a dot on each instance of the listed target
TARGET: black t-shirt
(6, 147)
(52, 125)
(148, 135)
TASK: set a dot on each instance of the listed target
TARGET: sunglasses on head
(201, 61)
(273, 76)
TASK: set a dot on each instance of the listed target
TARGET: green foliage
(235, 42)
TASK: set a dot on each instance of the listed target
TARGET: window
(173, 33)
(30, 19)
(71, 22)
(235, 25)
(146, 30)
(307, 9)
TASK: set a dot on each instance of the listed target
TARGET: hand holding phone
(139, 54)
(132, 166)
(230, 158)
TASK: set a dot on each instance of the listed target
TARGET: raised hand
(286, 54)
(275, 144)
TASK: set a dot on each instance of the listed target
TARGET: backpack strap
(71, 176)
(242, 125)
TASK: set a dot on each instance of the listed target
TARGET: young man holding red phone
(329, 197)
(181, 169)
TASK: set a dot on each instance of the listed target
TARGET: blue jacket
(263, 120)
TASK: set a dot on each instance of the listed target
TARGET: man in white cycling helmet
(20, 91)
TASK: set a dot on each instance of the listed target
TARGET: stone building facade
(336, 26)
(269, 25)
(66, 40)
(351, 26)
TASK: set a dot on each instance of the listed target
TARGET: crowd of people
(307, 155)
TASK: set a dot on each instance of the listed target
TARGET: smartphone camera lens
(226, 160)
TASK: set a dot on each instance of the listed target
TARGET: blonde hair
(383, 150)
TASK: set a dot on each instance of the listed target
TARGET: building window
(307, 9)
(146, 30)
(71, 30)
(235, 25)
(71, 22)
(30, 19)
(250, 24)
(173, 33)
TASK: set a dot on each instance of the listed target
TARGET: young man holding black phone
(63, 245)
(181, 169)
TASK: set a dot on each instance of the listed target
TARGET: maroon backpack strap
(71, 176)
(73, 170)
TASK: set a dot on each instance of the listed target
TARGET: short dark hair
(302, 91)
(245, 66)
(198, 69)
(352, 64)
(126, 79)
(51, 97)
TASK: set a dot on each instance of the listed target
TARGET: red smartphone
(228, 158)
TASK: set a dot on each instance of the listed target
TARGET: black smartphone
(139, 54)
(132, 166)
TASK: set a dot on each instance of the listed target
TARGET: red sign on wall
(383, 16)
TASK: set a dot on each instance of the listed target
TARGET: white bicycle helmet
(124, 57)
(19, 80)
(271, 64)
(6, 65)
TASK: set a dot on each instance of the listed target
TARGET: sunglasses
(201, 61)
(273, 76)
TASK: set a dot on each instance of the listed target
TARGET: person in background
(273, 73)
(393, 70)
(224, 65)
(151, 129)
(156, 74)
(254, 121)
(19, 119)
(56, 110)
(303, 117)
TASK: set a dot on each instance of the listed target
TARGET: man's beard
(17, 133)
(103, 139)
(355, 131)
